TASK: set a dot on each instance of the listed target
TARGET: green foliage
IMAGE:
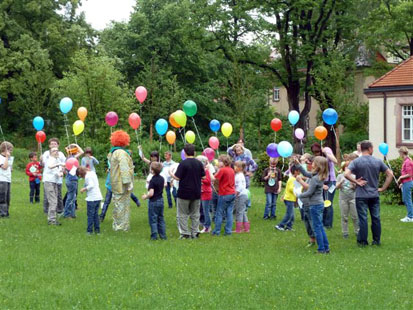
(263, 163)
(393, 193)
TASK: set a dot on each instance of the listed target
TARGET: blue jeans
(168, 194)
(225, 207)
(34, 191)
(70, 205)
(205, 207)
(316, 212)
(92, 216)
(288, 219)
(156, 219)
(407, 197)
(328, 213)
(270, 204)
(373, 205)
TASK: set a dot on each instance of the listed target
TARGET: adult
(167, 164)
(330, 183)
(189, 174)
(246, 151)
(366, 169)
(358, 150)
(237, 152)
(121, 178)
(406, 183)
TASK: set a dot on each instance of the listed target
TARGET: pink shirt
(407, 168)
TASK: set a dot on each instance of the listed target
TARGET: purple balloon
(183, 157)
(272, 150)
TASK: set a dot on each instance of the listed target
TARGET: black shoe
(376, 243)
(182, 237)
(266, 218)
(196, 236)
(101, 219)
(273, 217)
(362, 244)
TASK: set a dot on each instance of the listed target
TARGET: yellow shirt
(289, 190)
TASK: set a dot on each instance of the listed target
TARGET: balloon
(111, 119)
(38, 123)
(285, 149)
(40, 136)
(226, 129)
(209, 153)
(78, 127)
(141, 94)
(384, 148)
(327, 203)
(172, 121)
(330, 116)
(161, 126)
(299, 133)
(214, 125)
(82, 113)
(170, 137)
(66, 105)
(293, 117)
(213, 143)
(276, 124)
(320, 132)
(272, 150)
(183, 156)
(190, 108)
(134, 120)
(180, 118)
(71, 162)
(190, 136)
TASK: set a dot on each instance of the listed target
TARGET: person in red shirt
(406, 183)
(34, 171)
(206, 194)
(226, 195)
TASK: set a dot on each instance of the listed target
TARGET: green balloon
(190, 108)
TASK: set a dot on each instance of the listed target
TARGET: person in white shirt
(167, 164)
(93, 198)
(6, 162)
(241, 199)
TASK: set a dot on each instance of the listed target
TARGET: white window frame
(407, 113)
(276, 94)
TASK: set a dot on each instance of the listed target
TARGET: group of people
(212, 192)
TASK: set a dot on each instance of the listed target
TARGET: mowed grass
(44, 267)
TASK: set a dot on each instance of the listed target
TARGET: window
(276, 95)
(407, 123)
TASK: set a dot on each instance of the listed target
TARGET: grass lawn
(44, 267)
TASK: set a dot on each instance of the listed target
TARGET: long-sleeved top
(92, 187)
(250, 164)
(45, 158)
(89, 162)
(34, 170)
(315, 191)
(121, 171)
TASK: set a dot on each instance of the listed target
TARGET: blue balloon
(161, 126)
(285, 149)
(293, 117)
(214, 125)
(272, 150)
(384, 148)
(330, 116)
(38, 123)
(66, 105)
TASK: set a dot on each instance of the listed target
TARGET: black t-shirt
(190, 172)
(157, 183)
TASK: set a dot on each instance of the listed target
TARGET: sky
(99, 13)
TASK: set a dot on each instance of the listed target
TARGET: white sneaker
(406, 220)
(203, 231)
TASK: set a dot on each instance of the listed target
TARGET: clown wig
(119, 138)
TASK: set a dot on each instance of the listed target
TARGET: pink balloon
(111, 119)
(209, 153)
(299, 133)
(134, 120)
(71, 162)
(213, 143)
(141, 94)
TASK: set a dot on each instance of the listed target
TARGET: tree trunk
(151, 132)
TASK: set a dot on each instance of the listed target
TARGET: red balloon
(276, 124)
(141, 94)
(209, 153)
(111, 118)
(134, 120)
(71, 162)
(40, 136)
(213, 143)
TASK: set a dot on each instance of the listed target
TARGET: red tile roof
(402, 75)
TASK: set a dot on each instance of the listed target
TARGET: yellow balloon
(190, 136)
(226, 129)
(180, 118)
(78, 127)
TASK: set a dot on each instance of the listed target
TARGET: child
(6, 163)
(34, 171)
(155, 206)
(70, 198)
(241, 199)
(226, 195)
(88, 160)
(167, 164)
(272, 177)
(289, 200)
(93, 198)
(206, 194)
(316, 202)
(347, 199)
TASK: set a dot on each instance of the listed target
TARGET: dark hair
(155, 154)
(88, 150)
(156, 168)
(241, 139)
(316, 147)
(32, 154)
(293, 169)
(81, 171)
(189, 149)
(365, 145)
(54, 140)
(225, 159)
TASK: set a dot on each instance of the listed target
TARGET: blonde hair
(6, 146)
(320, 166)
(404, 150)
(240, 164)
(203, 159)
(225, 159)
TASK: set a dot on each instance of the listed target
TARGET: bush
(393, 194)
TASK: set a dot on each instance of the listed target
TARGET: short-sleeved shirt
(271, 185)
(368, 168)
(5, 174)
(157, 184)
(190, 172)
(240, 184)
(226, 179)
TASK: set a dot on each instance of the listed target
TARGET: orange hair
(119, 138)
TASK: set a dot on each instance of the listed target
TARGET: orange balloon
(170, 137)
(320, 133)
(82, 113)
(173, 122)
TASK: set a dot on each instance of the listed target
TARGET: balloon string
(83, 133)
(110, 130)
(227, 143)
(182, 137)
(136, 134)
(67, 132)
(275, 137)
(199, 136)
(75, 139)
(1, 130)
(160, 143)
(140, 127)
(388, 163)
